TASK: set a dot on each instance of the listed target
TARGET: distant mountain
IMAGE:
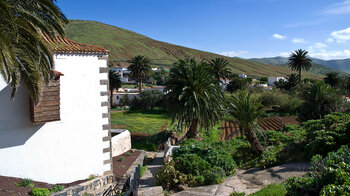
(125, 44)
(319, 66)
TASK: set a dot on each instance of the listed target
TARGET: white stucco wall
(61, 151)
(118, 96)
(121, 143)
(272, 80)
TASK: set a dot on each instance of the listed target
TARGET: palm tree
(114, 83)
(332, 78)
(247, 110)
(220, 68)
(194, 96)
(24, 55)
(140, 69)
(298, 61)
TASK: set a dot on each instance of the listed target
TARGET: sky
(243, 28)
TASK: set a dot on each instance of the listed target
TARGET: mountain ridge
(124, 44)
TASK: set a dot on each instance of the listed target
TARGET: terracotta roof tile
(63, 45)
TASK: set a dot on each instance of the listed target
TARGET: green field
(146, 122)
(124, 44)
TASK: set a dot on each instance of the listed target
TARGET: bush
(40, 192)
(327, 176)
(148, 100)
(26, 183)
(271, 190)
(56, 188)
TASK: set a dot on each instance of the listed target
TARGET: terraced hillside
(125, 44)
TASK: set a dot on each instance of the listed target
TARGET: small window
(117, 97)
(48, 108)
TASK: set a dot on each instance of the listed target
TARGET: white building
(118, 96)
(67, 137)
(272, 80)
(243, 75)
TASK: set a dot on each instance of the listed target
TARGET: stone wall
(121, 143)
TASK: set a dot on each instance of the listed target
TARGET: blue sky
(244, 28)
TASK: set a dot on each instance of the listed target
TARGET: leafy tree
(247, 110)
(237, 83)
(264, 80)
(299, 61)
(148, 100)
(160, 76)
(320, 99)
(25, 55)
(140, 69)
(114, 83)
(194, 96)
(125, 101)
(333, 79)
(220, 68)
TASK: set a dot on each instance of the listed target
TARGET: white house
(118, 96)
(67, 136)
(272, 80)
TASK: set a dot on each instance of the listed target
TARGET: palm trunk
(140, 87)
(299, 76)
(254, 141)
(111, 96)
(192, 131)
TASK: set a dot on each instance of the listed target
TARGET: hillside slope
(319, 66)
(125, 44)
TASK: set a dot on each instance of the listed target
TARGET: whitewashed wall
(118, 96)
(61, 151)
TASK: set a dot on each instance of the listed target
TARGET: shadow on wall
(15, 124)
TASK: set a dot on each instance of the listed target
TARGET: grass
(142, 170)
(271, 190)
(128, 85)
(124, 44)
(141, 121)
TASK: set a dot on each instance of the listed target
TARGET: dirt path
(250, 181)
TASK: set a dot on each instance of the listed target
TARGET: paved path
(149, 177)
(249, 181)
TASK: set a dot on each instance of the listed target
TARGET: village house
(272, 80)
(66, 136)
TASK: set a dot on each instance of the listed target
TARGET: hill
(125, 44)
(319, 66)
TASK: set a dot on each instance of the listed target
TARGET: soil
(9, 188)
(231, 130)
(123, 162)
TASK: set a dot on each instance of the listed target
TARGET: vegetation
(246, 111)
(329, 175)
(25, 55)
(220, 68)
(291, 82)
(114, 83)
(140, 69)
(142, 170)
(148, 100)
(299, 61)
(124, 44)
(237, 83)
(26, 183)
(271, 190)
(141, 121)
(40, 192)
(333, 79)
(195, 98)
(56, 188)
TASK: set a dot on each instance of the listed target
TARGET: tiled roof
(63, 45)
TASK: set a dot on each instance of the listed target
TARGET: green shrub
(142, 170)
(40, 192)
(327, 175)
(214, 175)
(26, 183)
(271, 190)
(237, 194)
(56, 188)
(191, 164)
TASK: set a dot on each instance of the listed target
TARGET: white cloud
(278, 36)
(342, 35)
(240, 53)
(339, 8)
(284, 54)
(329, 40)
(334, 54)
(299, 41)
(320, 45)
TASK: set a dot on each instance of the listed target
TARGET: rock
(150, 191)
(181, 187)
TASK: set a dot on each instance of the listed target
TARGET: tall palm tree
(195, 98)
(220, 68)
(247, 111)
(24, 55)
(114, 83)
(140, 69)
(332, 78)
(299, 61)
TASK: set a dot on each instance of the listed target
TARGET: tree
(220, 68)
(140, 69)
(24, 55)
(247, 110)
(148, 100)
(290, 82)
(237, 83)
(114, 83)
(333, 79)
(160, 76)
(299, 61)
(194, 96)
(320, 99)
